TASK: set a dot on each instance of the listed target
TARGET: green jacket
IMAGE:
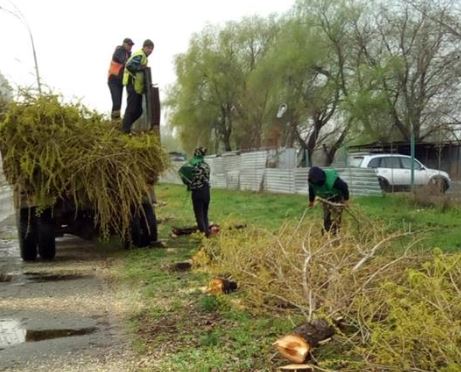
(134, 71)
(327, 190)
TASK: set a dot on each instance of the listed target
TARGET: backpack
(186, 173)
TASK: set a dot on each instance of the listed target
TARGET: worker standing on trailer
(133, 79)
(117, 65)
(326, 184)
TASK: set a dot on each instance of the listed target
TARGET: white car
(394, 171)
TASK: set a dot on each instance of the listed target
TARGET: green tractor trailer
(98, 198)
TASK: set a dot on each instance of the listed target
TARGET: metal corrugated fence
(280, 180)
(253, 175)
(6, 197)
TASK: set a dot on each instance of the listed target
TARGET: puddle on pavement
(47, 277)
(12, 332)
(33, 335)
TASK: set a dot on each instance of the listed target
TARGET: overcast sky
(75, 39)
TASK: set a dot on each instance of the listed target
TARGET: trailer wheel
(46, 235)
(139, 236)
(27, 234)
(144, 226)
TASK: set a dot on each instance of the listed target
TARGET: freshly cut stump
(293, 347)
(296, 346)
(297, 367)
(220, 286)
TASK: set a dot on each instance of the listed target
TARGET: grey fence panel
(248, 172)
(6, 196)
(218, 181)
(216, 165)
(231, 163)
(233, 180)
(361, 181)
(301, 181)
(279, 180)
(251, 179)
(287, 159)
(253, 160)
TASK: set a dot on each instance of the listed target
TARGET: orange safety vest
(115, 67)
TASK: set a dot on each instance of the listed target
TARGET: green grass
(267, 210)
(439, 228)
(198, 332)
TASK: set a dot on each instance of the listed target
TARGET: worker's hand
(311, 204)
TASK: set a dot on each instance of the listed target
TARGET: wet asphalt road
(59, 315)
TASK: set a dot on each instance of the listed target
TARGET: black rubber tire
(46, 235)
(144, 226)
(139, 236)
(27, 234)
(441, 184)
(385, 186)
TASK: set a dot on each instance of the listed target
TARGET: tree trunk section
(297, 345)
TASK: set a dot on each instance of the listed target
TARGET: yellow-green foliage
(402, 310)
(298, 267)
(422, 330)
(53, 150)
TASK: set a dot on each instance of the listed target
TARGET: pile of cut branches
(394, 306)
(52, 151)
(297, 267)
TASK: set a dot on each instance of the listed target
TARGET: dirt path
(61, 315)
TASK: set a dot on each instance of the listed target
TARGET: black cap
(128, 41)
(148, 43)
(316, 176)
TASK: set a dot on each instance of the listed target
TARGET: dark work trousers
(133, 109)
(200, 202)
(332, 215)
(116, 92)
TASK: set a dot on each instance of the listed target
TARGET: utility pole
(17, 14)
(412, 153)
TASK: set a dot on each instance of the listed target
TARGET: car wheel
(439, 183)
(27, 233)
(385, 186)
(46, 235)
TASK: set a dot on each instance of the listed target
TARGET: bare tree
(414, 66)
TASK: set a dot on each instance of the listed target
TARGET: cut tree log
(297, 367)
(293, 347)
(214, 229)
(181, 266)
(188, 230)
(296, 346)
(221, 285)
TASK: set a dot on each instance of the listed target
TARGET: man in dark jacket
(134, 80)
(116, 68)
(326, 184)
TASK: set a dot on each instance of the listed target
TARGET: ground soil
(60, 315)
